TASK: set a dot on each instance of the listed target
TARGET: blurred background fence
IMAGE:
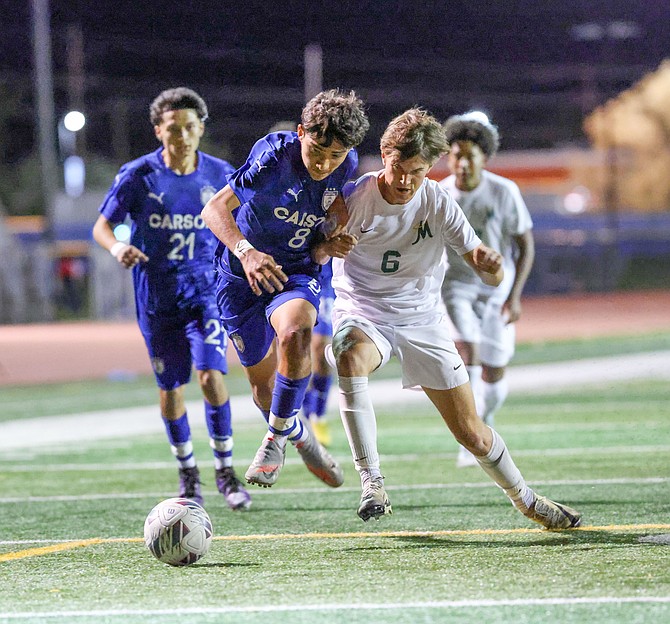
(580, 96)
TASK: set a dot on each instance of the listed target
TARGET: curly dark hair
(467, 127)
(178, 98)
(334, 115)
(415, 133)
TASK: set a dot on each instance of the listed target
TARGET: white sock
(476, 383)
(282, 428)
(360, 423)
(500, 466)
(494, 396)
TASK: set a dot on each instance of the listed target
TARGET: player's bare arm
(487, 262)
(263, 273)
(524, 263)
(126, 255)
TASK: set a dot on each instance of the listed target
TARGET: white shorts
(477, 318)
(427, 355)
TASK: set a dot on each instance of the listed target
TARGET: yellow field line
(445, 533)
(47, 550)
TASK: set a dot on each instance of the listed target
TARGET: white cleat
(553, 516)
(374, 501)
(267, 463)
(320, 462)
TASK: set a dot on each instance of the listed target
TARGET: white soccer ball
(178, 531)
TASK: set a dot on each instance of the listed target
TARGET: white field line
(386, 458)
(34, 433)
(278, 491)
(365, 606)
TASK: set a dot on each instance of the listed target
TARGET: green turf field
(454, 551)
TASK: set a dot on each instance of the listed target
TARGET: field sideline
(48, 431)
(35, 354)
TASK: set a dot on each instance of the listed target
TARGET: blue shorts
(176, 343)
(245, 316)
(324, 322)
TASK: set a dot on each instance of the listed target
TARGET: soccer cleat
(374, 501)
(321, 430)
(189, 484)
(465, 458)
(553, 515)
(232, 489)
(267, 464)
(319, 461)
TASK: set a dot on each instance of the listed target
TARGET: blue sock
(219, 426)
(179, 436)
(287, 399)
(321, 388)
(309, 402)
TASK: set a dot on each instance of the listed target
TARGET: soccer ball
(178, 531)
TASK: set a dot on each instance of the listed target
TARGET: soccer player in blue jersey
(170, 253)
(266, 218)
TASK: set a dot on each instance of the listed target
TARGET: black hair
(178, 98)
(470, 128)
(334, 115)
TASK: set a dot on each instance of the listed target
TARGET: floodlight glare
(122, 233)
(74, 121)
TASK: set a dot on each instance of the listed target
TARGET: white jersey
(394, 274)
(497, 212)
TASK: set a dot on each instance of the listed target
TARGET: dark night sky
(402, 53)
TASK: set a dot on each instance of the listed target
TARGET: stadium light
(74, 121)
(74, 169)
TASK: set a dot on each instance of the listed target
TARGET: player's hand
(339, 246)
(336, 219)
(511, 310)
(130, 255)
(487, 260)
(263, 273)
(488, 264)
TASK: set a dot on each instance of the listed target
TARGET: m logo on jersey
(206, 193)
(422, 230)
(329, 196)
(158, 198)
(293, 193)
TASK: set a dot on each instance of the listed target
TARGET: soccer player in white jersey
(484, 317)
(388, 302)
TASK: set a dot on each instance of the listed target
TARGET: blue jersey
(164, 208)
(281, 206)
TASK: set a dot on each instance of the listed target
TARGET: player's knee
(213, 386)
(295, 339)
(350, 358)
(492, 374)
